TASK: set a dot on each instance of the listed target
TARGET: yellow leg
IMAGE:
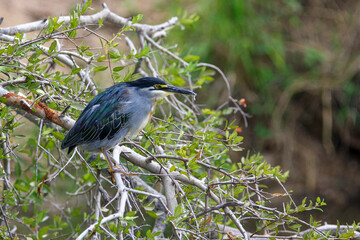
(110, 162)
(111, 169)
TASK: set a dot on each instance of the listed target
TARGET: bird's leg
(112, 168)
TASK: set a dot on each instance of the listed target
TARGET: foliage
(287, 55)
(50, 194)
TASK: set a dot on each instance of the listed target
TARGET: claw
(117, 169)
(113, 168)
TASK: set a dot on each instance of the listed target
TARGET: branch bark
(38, 109)
(105, 14)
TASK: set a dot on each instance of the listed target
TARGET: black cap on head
(159, 85)
(146, 82)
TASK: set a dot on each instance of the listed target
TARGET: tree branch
(39, 109)
(154, 167)
(104, 14)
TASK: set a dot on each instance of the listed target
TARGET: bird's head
(156, 88)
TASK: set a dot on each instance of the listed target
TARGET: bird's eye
(160, 86)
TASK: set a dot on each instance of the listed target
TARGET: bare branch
(105, 14)
(37, 109)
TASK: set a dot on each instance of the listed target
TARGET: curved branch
(104, 14)
(94, 225)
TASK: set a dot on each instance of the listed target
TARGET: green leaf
(75, 70)
(22, 186)
(43, 231)
(17, 170)
(152, 214)
(58, 62)
(88, 177)
(89, 54)
(73, 34)
(52, 47)
(101, 21)
(178, 81)
(129, 219)
(137, 18)
(58, 135)
(191, 58)
(10, 49)
(173, 168)
(101, 58)
(85, 6)
(116, 75)
(143, 52)
(5, 69)
(118, 69)
(100, 68)
(178, 211)
(233, 135)
(3, 99)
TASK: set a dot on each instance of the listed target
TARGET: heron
(120, 111)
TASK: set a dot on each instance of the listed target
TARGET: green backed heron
(120, 111)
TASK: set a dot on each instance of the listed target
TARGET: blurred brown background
(296, 63)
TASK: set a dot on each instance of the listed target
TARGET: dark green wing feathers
(102, 118)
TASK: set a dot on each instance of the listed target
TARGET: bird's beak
(173, 89)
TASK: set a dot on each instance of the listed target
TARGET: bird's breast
(140, 120)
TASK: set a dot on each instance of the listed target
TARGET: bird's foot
(116, 169)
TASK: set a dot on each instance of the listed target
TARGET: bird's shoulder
(103, 106)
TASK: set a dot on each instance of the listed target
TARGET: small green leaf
(118, 69)
(22, 186)
(3, 100)
(9, 49)
(75, 70)
(178, 211)
(143, 52)
(89, 54)
(233, 135)
(58, 62)
(101, 21)
(137, 18)
(58, 135)
(17, 170)
(129, 219)
(207, 111)
(52, 46)
(100, 68)
(191, 58)
(101, 58)
(152, 214)
(5, 69)
(85, 6)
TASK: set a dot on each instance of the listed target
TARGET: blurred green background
(295, 62)
(297, 65)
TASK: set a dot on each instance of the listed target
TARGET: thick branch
(37, 109)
